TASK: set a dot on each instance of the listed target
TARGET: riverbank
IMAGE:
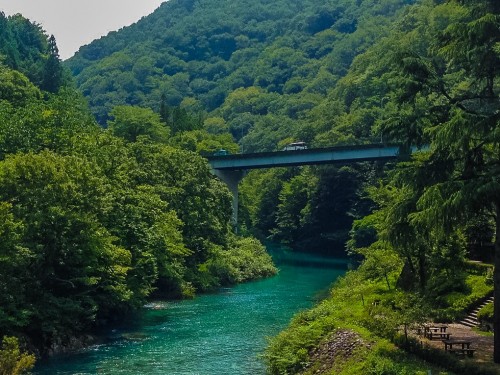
(224, 332)
(245, 260)
(358, 329)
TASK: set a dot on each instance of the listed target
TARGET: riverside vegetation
(255, 76)
(439, 74)
(94, 222)
(376, 314)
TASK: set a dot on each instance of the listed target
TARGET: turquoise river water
(224, 333)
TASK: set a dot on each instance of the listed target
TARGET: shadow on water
(313, 263)
(223, 333)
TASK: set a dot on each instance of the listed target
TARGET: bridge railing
(312, 156)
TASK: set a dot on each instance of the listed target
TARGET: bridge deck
(329, 155)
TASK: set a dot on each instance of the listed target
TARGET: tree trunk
(406, 279)
(422, 270)
(387, 281)
(496, 286)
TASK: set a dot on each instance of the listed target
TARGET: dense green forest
(271, 62)
(265, 73)
(436, 78)
(95, 221)
(336, 73)
(103, 207)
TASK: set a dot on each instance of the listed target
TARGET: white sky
(75, 23)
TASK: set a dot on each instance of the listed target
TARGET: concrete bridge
(232, 168)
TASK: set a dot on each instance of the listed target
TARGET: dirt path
(483, 345)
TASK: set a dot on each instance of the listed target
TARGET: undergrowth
(378, 314)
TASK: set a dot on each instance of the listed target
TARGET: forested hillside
(435, 78)
(103, 207)
(260, 69)
(25, 48)
(265, 73)
(334, 73)
(94, 221)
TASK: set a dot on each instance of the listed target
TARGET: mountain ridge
(206, 50)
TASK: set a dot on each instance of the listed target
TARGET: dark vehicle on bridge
(295, 146)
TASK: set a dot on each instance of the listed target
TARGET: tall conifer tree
(52, 73)
(458, 80)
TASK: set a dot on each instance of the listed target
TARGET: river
(223, 333)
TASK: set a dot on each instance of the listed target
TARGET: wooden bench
(436, 332)
(463, 352)
(436, 328)
(462, 347)
(423, 330)
(438, 335)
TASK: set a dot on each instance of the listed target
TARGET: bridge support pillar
(232, 179)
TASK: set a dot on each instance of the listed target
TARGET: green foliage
(57, 123)
(26, 48)
(437, 87)
(66, 264)
(12, 360)
(15, 88)
(13, 258)
(455, 302)
(246, 259)
(117, 219)
(479, 268)
(265, 79)
(360, 306)
(53, 71)
(445, 360)
(387, 360)
(132, 122)
(94, 221)
(293, 205)
(486, 313)
(382, 319)
(380, 262)
(183, 179)
(204, 142)
(179, 119)
(143, 224)
(253, 58)
(297, 205)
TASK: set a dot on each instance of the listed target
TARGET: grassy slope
(350, 307)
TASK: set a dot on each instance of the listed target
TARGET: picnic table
(435, 332)
(436, 328)
(431, 335)
(462, 347)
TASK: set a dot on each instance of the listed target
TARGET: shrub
(476, 268)
(12, 360)
(456, 303)
(246, 259)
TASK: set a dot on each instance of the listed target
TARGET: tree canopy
(94, 221)
(441, 90)
(97, 218)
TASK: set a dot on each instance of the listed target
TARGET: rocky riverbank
(338, 347)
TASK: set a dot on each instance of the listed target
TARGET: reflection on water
(216, 334)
